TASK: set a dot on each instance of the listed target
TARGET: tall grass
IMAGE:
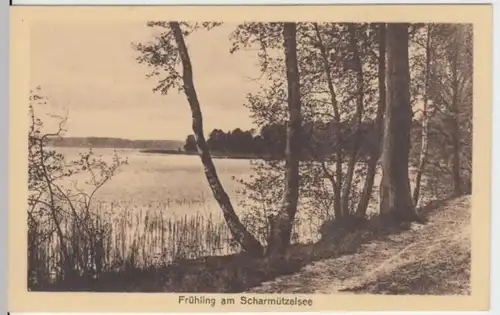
(122, 239)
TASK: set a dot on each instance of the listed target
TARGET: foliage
(321, 125)
(161, 55)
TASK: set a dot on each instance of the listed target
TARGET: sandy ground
(433, 258)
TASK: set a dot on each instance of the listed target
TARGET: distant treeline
(318, 139)
(105, 142)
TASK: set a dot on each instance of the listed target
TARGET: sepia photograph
(250, 157)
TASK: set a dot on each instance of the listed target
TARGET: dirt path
(414, 254)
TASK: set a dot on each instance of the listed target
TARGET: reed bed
(117, 240)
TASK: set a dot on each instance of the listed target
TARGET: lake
(176, 182)
(176, 185)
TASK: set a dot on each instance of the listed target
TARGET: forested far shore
(116, 143)
(318, 139)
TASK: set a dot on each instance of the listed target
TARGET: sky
(89, 73)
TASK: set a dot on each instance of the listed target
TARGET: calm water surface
(176, 182)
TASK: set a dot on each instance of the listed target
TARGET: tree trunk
(395, 195)
(337, 205)
(281, 231)
(247, 241)
(425, 121)
(379, 125)
(358, 115)
(455, 166)
(455, 129)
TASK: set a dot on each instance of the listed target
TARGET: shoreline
(214, 155)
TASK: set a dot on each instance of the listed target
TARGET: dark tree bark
(281, 228)
(379, 122)
(247, 241)
(395, 195)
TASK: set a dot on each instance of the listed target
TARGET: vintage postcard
(258, 158)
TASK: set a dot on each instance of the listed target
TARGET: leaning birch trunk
(395, 195)
(425, 121)
(353, 157)
(247, 241)
(282, 224)
(379, 125)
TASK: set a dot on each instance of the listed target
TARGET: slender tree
(450, 125)
(356, 137)
(379, 123)
(337, 179)
(425, 120)
(460, 87)
(282, 225)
